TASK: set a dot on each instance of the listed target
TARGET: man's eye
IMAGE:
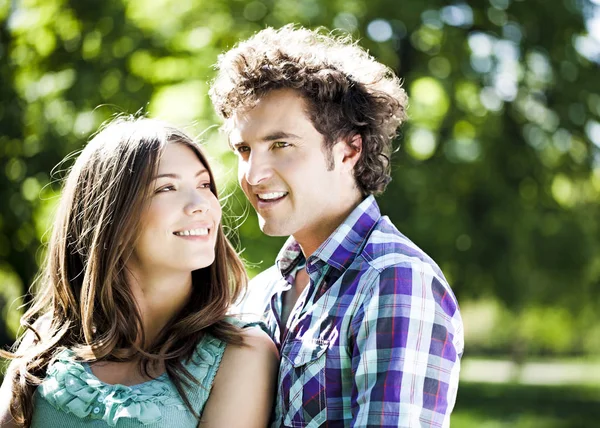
(280, 144)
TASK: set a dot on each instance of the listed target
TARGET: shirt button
(96, 410)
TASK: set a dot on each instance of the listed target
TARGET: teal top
(72, 397)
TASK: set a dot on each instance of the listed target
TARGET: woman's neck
(159, 298)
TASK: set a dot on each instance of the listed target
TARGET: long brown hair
(84, 302)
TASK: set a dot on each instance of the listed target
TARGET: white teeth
(192, 232)
(272, 195)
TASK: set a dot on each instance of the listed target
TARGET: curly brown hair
(347, 91)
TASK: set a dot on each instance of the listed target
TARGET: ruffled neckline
(72, 387)
(164, 376)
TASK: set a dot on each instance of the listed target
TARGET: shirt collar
(341, 247)
(289, 256)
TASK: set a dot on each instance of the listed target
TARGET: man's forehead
(261, 127)
(241, 126)
(278, 114)
(271, 100)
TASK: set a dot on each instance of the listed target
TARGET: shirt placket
(276, 305)
(305, 301)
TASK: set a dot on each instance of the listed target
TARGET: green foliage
(535, 330)
(496, 175)
(532, 406)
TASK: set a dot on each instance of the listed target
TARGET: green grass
(485, 405)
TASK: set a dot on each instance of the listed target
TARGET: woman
(128, 328)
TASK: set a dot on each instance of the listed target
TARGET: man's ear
(351, 151)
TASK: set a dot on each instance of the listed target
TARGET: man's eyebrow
(279, 135)
(274, 136)
(177, 176)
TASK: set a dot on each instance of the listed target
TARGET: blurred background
(496, 176)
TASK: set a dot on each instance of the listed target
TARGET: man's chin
(271, 229)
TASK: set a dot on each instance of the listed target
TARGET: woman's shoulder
(255, 344)
(255, 357)
(241, 323)
(244, 386)
(254, 336)
(256, 340)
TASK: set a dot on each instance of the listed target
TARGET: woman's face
(178, 230)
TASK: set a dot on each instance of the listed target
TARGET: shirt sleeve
(255, 301)
(406, 348)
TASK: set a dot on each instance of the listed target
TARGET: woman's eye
(165, 189)
(205, 185)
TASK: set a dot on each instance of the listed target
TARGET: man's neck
(290, 297)
(310, 240)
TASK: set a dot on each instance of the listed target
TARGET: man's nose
(257, 169)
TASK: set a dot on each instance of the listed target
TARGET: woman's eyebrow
(177, 176)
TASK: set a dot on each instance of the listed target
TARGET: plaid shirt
(376, 338)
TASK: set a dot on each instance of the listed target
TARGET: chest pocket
(302, 385)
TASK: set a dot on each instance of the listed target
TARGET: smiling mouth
(193, 232)
(271, 196)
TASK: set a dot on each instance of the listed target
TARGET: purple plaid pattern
(375, 340)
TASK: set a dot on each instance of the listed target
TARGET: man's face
(283, 171)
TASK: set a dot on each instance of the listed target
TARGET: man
(368, 329)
